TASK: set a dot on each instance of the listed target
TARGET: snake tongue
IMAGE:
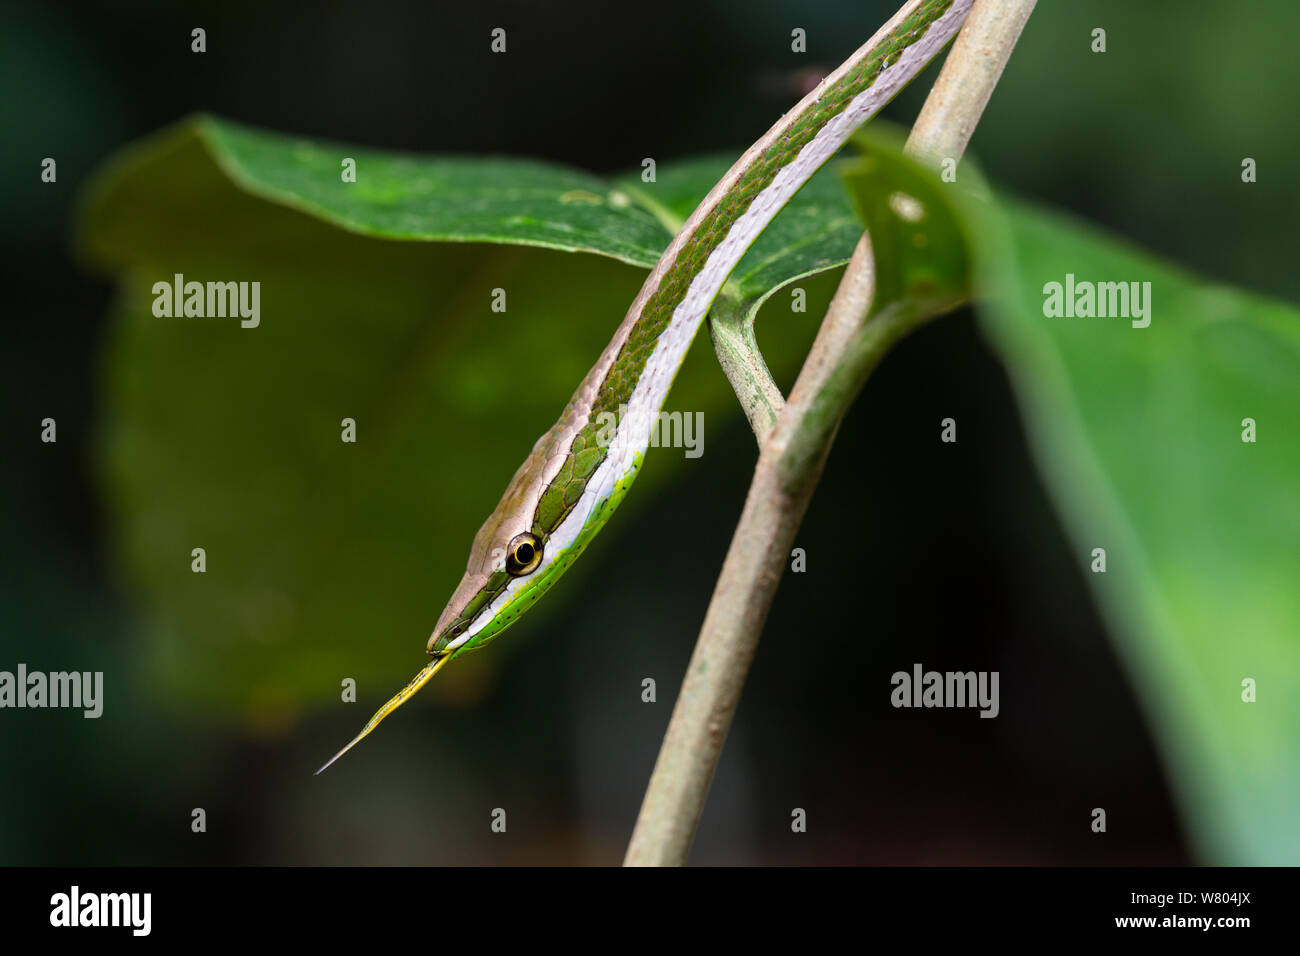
(397, 700)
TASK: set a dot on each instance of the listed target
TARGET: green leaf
(1138, 433)
(400, 196)
(920, 226)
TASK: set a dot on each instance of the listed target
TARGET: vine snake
(578, 472)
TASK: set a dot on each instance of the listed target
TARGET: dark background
(918, 551)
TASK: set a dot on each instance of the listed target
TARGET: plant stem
(790, 462)
(731, 327)
(974, 65)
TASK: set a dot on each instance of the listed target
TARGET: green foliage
(327, 559)
(919, 225)
(1138, 434)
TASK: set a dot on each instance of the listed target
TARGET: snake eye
(523, 554)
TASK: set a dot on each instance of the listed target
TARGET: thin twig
(731, 327)
(790, 463)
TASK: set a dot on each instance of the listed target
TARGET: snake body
(579, 471)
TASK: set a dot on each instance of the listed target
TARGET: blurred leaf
(325, 559)
(1138, 432)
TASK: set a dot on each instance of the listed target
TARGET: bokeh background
(963, 559)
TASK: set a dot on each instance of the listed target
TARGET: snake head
(510, 549)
